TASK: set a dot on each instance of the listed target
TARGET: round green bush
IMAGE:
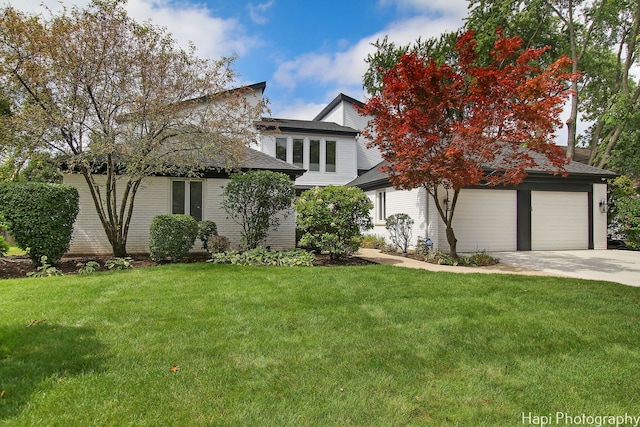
(41, 217)
(172, 237)
(332, 219)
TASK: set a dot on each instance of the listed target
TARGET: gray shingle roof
(305, 126)
(254, 159)
(376, 179)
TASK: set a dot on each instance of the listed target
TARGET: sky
(307, 51)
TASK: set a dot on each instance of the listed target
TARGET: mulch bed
(19, 266)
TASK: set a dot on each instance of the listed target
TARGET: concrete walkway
(607, 265)
(374, 255)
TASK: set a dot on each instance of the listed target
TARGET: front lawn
(203, 344)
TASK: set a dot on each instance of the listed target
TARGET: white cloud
(257, 12)
(441, 6)
(212, 36)
(348, 66)
(297, 110)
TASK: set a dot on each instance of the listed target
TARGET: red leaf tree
(449, 126)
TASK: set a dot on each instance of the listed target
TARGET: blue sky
(307, 51)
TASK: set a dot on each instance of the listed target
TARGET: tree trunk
(446, 215)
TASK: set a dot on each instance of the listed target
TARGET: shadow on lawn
(36, 356)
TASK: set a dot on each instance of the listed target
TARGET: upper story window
(186, 198)
(314, 155)
(330, 156)
(281, 149)
(298, 152)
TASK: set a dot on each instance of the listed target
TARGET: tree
(120, 101)
(258, 201)
(446, 126)
(601, 39)
(332, 219)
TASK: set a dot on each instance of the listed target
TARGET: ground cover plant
(207, 344)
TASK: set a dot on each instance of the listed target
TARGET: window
(330, 156)
(298, 150)
(281, 149)
(314, 155)
(186, 198)
(381, 205)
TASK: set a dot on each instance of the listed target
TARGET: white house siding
(410, 202)
(283, 238)
(486, 220)
(346, 169)
(89, 236)
(599, 218)
(559, 220)
(336, 115)
(154, 198)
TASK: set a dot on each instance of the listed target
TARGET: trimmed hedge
(41, 217)
(172, 237)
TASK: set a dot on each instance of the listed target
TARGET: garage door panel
(559, 220)
(486, 220)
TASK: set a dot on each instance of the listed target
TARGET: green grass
(14, 250)
(374, 346)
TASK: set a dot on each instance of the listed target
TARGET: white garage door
(486, 220)
(559, 220)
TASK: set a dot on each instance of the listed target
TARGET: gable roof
(304, 126)
(336, 101)
(374, 178)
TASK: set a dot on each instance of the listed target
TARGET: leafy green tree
(258, 201)
(121, 100)
(399, 227)
(332, 219)
(601, 38)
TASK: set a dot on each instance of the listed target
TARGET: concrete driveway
(609, 265)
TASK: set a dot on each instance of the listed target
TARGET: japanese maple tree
(446, 126)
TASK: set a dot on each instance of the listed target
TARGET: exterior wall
(154, 198)
(336, 115)
(599, 218)
(411, 202)
(346, 169)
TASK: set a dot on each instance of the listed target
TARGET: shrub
(118, 263)
(628, 217)
(332, 219)
(41, 217)
(262, 256)
(172, 236)
(371, 241)
(258, 201)
(206, 229)
(399, 227)
(217, 244)
(45, 269)
(88, 268)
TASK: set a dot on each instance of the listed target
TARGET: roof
(305, 126)
(374, 178)
(336, 101)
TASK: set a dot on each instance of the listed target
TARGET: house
(198, 196)
(544, 212)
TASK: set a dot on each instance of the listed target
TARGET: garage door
(486, 220)
(559, 220)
